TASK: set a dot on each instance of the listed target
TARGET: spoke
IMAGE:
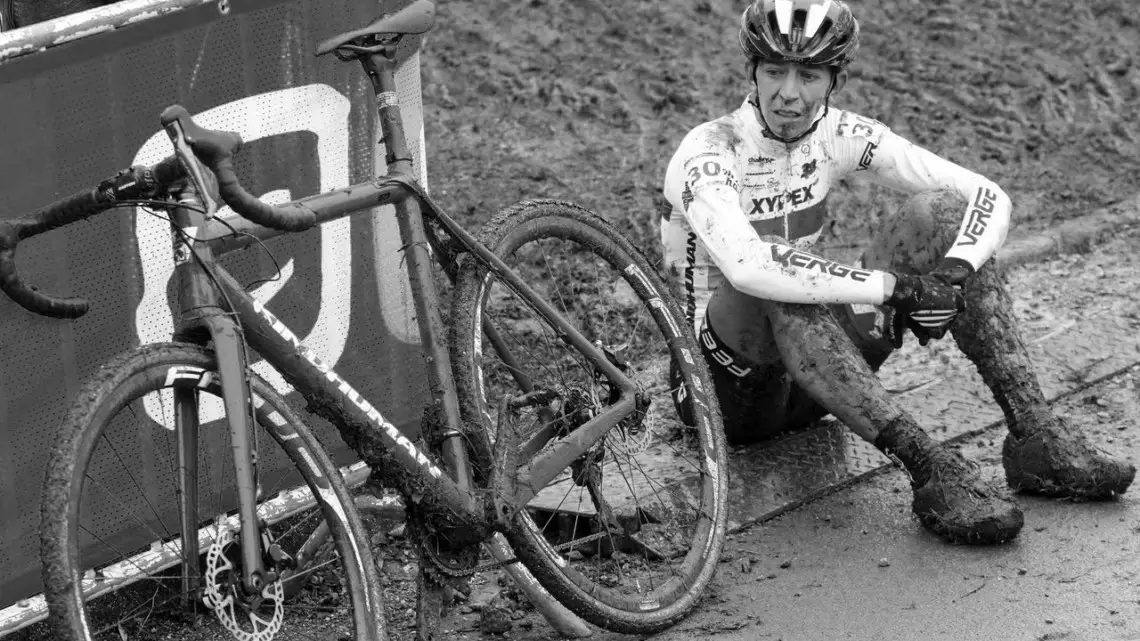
(134, 517)
(605, 308)
(603, 513)
(637, 507)
(651, 481)
(554, 511)
(683, 455)
(313, 513)
(131, 615)
(314, 568)
(138, 486)
(562, 301)
(503, 370)
(142, 573)
(557, 289)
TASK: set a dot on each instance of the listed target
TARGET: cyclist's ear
(840, 80)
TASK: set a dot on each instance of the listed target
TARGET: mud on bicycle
(551, 418)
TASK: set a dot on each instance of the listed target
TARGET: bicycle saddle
(415, 18)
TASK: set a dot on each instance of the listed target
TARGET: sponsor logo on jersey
(852, 125)
(687, 196)
(690, 284)
(979, 216)
(760, 166)
(769, 204)
(868, 156)
(794, 225)
(721, 354)
(711, 172)
(796, 258)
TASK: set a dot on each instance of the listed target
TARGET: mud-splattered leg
(813, 348)
(1042, 453)
(950, 497)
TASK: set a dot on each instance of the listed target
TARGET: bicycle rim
(113, 555)
(629, 536)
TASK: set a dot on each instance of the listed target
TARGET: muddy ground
(586, 100)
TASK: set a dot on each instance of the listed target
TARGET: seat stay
(416, 18)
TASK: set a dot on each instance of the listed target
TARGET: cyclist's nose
(789, 88)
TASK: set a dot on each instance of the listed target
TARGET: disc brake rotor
(635, 432)
(222, 595)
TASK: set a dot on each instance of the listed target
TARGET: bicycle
(528, 446)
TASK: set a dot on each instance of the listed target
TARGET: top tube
(328, 206)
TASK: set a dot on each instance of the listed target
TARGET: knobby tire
(636, 288)
(128, 378)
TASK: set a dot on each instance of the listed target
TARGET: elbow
(766, 285)
(747, 281)
(738, 275)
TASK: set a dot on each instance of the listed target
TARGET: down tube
(313, 378)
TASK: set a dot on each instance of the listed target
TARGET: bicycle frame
(206, 290)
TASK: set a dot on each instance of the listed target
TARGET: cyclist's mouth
(786, 114)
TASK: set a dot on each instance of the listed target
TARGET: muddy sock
(914, 448)
(987, 334)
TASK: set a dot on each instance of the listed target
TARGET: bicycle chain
(492, 565)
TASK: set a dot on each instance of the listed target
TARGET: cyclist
(791, 336)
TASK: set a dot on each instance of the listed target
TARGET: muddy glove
(927, 304)
(953, 271)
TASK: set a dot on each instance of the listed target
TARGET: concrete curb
(1072, 236)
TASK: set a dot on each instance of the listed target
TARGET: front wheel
(629, 535)
(115, 563)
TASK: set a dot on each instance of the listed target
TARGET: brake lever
(195, 170)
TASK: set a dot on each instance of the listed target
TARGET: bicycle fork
(202, 318)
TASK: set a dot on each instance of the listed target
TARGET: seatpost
(381, 68)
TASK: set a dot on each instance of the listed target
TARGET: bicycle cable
(233, 232)
(145, 203)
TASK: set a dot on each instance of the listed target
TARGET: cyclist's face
(790, 95)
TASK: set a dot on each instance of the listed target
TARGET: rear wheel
(629, 535)
(114, 562)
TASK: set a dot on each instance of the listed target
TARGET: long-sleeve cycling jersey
(728, 185)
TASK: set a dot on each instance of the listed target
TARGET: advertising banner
(75, 109)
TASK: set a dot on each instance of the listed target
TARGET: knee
(935, 209)
(919, 234)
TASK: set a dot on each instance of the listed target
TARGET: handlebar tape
(216, 149)
(131, 183)
(58, 214)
